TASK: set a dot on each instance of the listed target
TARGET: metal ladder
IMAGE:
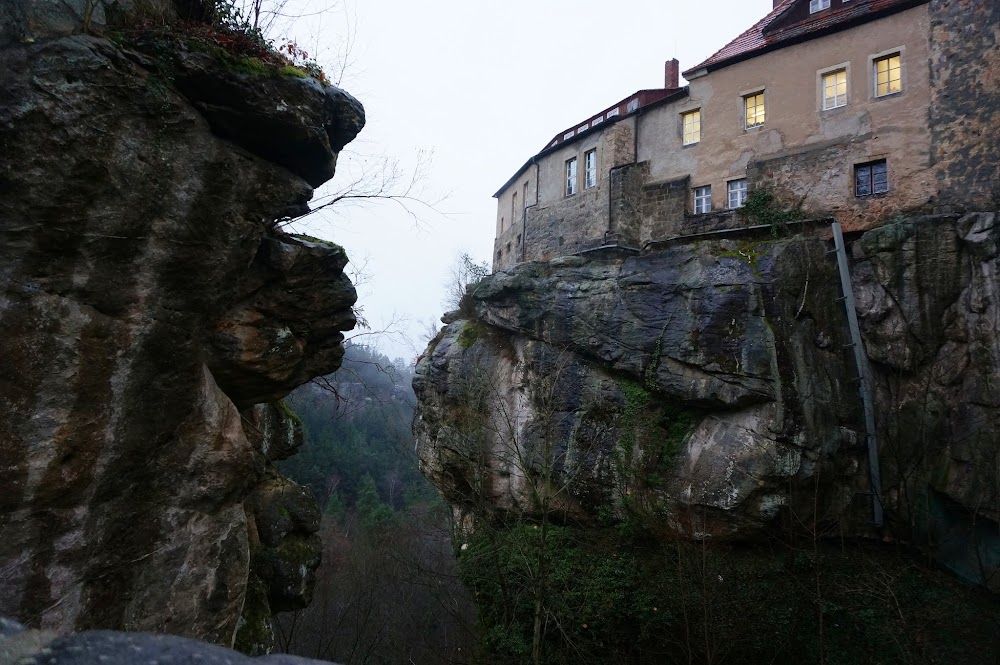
(864, 375)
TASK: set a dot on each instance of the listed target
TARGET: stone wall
(664, 209)
(965, 101)
(819, 178)
(625, 209)
(567, 226)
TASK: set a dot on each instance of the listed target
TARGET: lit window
(692, 127)
(525, 197)
(754, 106)
(888, 77)
(818, 5)
(871, 178)
(590, 169)
(702, 199)
(737, 190)
(835, 89)
(571, 177)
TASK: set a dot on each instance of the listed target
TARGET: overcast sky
(482, 86)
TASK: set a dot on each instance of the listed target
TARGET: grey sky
(483, 86)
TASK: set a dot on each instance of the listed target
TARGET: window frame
(702, 199)
(590, 169)
(745, 108)
(696, 114)
(743, 192)
(819, 5)
(571, 175)
(870, 177)
(874, 59)
(823, 98)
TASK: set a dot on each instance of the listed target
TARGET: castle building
(823, 103)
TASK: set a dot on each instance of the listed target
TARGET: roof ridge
(756, 27)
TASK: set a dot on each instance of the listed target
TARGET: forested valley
(387, 590)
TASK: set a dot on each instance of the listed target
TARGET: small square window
(871, 178)
(835, 89)
(737, 190)
(818, 5)
(692, 127)
(590, 169)
(632, 105)
(753, 106)
(571, 177)
(702, 199)
(888, 75)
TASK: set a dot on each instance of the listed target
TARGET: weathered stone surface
(288, 327)
(710, 387)
(964, 115)
(682, 379)
(28, 647)
(295, 122)
(130, 234)
(931, 318)
(273, 430)
(285, 551)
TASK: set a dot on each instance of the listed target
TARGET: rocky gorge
(153, 314)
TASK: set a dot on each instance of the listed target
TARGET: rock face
(28, 647)
(146, 299)
(710, 385)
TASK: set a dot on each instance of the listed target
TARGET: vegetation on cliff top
(236, 36)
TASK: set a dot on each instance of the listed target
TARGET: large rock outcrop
(147, 302)
(710, 387)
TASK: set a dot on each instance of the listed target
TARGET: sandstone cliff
(147, 303)
(709, 388)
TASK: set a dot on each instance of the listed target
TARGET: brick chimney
(672, 72)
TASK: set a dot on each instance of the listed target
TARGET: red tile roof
(769, 34)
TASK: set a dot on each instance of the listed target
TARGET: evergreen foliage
(358, 446)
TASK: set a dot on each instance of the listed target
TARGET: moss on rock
(255, 632)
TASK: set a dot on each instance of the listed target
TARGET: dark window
(518, 238)
(871, 178)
